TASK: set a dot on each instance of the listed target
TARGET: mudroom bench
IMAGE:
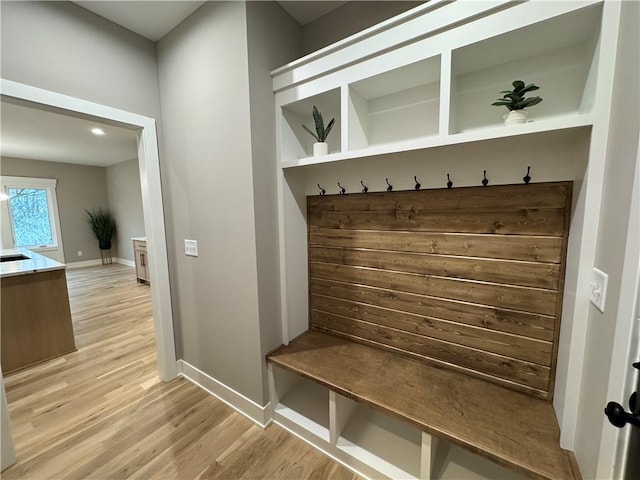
(433, 315)
(511, 428)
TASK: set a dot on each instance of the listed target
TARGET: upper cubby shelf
(556, 54)
(296, 141)
(435, 86)
(398, 105)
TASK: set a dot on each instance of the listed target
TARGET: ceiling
(30, 132)
(154, 19)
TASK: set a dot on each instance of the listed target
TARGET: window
(32, 209)
(30, 217)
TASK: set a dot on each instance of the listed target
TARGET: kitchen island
(34, 309)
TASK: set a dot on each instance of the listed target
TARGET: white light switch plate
(191, 248)
(598, 288)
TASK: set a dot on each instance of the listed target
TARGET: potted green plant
(516, 102)
(320, 147)
(103, 225)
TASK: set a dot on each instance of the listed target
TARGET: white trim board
(152, 204)
(124, 261)
(247, 407)
(95, 262)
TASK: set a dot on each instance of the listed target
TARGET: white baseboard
(124, 261)
(97, 261)
(84, 263)
(247, 407)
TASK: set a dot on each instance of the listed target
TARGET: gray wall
(79, 187)
(204, 94)
(61, 47)
(351, 18)
(274, 39)
(125, 201)
(612, 236)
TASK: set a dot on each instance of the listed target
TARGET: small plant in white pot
(516, 102)
(320, 147)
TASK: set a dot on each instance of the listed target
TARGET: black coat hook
(365, 189)
(322, 190)
(527, 177)
(389, 186)
(342, 191)
(485, 180)
(415, 179)
(449, 182)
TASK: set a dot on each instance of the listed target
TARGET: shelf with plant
(301, 127)
(556, 54)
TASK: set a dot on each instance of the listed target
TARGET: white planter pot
(515, 116)
(320, 148)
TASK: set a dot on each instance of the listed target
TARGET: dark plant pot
(104, 244)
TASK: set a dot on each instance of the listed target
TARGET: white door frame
(149, 163)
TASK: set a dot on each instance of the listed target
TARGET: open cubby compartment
(296, 141)
(453, 463)
(559, 55)
(390, 446)
(398, 105)
(301, 402)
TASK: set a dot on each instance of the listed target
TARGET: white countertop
(140, 239)
(35, 263)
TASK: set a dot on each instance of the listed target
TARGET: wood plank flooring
(101, 412)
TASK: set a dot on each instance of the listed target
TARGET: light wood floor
(101, 412)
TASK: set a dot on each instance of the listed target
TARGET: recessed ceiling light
(98, 131)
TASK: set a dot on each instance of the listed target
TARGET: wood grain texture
(468, 278)
(102, 412)
(510, 247)
(527, 274)
(36, 319)
(509, 427)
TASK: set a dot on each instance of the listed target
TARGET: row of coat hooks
(417, 186)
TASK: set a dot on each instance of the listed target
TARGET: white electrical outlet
(191, 248)
(79, 253)
(598, 288)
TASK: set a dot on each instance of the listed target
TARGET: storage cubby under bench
(434, 315)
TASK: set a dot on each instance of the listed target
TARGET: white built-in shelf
(434, 100)
(473, 135)
(390, 446)
(297, 142)
(555, 54)
(399, 105)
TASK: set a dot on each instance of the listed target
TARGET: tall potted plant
(103, 225)
(516, 102)
(320, 147)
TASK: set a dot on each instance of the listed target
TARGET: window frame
(49, 185)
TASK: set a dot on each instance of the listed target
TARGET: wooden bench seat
(516, 430)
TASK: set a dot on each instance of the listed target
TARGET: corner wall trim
(247, 407)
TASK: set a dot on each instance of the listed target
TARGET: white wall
(274, 39)
(612, 236)
(125, 202)
(204, 93)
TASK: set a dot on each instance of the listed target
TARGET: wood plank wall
(469, 279)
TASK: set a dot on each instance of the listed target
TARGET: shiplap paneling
(468, 279)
